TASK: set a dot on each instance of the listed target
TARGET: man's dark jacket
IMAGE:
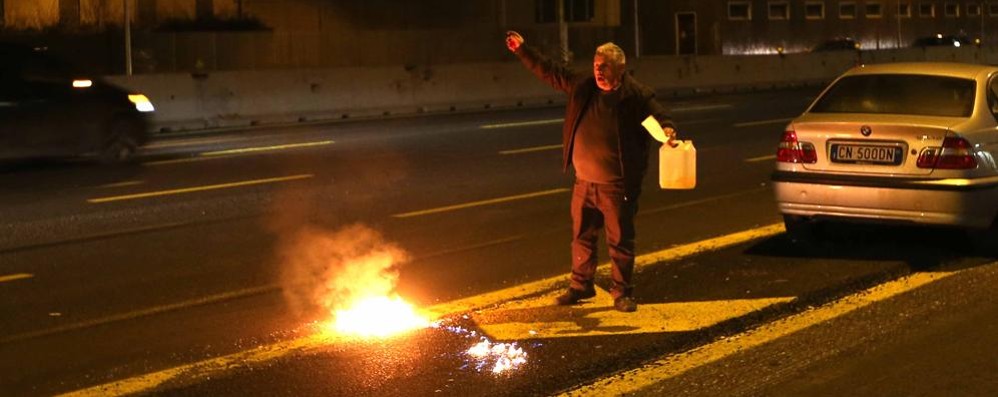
(637, 102)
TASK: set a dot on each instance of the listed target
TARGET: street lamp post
(566, 56)
(897, 10)
(128, 40)
(637, 31)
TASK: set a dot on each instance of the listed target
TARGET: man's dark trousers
(611, 207)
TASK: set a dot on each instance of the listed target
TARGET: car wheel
(120, 144)
(801, 229)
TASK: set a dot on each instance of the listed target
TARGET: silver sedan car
(906, 142)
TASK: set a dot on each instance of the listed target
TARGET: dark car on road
(47, 110)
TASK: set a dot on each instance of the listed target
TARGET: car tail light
(791, 150)
(955, 154)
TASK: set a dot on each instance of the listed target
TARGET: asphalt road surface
(208, 266)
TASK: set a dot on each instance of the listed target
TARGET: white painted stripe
(763, 122)
(15, 277)
(219, 154)
(267, 148)
(521, 124)
(480, 203)
(674, 365)
(531, 149)
(700, 108)
(101, 200)
(761, 158)
(120, 184)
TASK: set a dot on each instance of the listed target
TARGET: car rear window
(899, 94)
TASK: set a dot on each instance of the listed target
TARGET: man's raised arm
(557, 75)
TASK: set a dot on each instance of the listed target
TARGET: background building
(182, 35)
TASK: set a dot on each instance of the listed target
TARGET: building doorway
(686, 33)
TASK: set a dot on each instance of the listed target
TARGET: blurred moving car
(941, 40)
(837, 44)
(46, 111)
(908, 142)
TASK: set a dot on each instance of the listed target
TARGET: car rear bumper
(952, 202)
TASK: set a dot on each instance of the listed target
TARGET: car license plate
(876, 154)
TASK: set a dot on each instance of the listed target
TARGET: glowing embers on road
(377, 316)
(485, 355)
(502, 357)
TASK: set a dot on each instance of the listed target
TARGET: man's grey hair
(612, 53)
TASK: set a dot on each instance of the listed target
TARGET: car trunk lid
(875, 145)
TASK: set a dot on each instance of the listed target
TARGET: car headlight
(141, 102)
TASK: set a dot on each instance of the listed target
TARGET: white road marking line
(763, 122)
(480, 203)
(101, 200)
(267, 148)
(521, 124)
(15, 277)
(120, 184)
(760, 158)
(699, 108)
(531, 149)
(213, 155)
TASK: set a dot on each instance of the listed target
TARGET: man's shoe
(573, 296)
(625, 304)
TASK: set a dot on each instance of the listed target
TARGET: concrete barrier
(222, 99)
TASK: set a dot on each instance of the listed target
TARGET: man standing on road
(604, 140)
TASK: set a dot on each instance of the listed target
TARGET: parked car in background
(941, 40)
(47, 110)
(837, 44)
(912, 143)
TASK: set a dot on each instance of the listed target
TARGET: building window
(779, 10)
(973, 10)
(926, 10)
(69, 12)
(546, 11)
(204, 9)
(904, 10)
(874, 10)
(814, 10)
(847, 10)
(146, 13)
(951, 10)
(993, 9)
(739, 10)
(580, 10)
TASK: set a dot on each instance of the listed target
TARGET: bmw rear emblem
(865, 130)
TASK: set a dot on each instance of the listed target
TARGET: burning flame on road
(350, 274)
(377, 316)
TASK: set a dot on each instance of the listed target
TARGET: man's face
(606, 72)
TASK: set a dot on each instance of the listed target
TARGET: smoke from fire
(323, 271)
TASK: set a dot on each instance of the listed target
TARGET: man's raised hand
(513, 40)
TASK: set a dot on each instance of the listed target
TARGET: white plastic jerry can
(677, 166)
